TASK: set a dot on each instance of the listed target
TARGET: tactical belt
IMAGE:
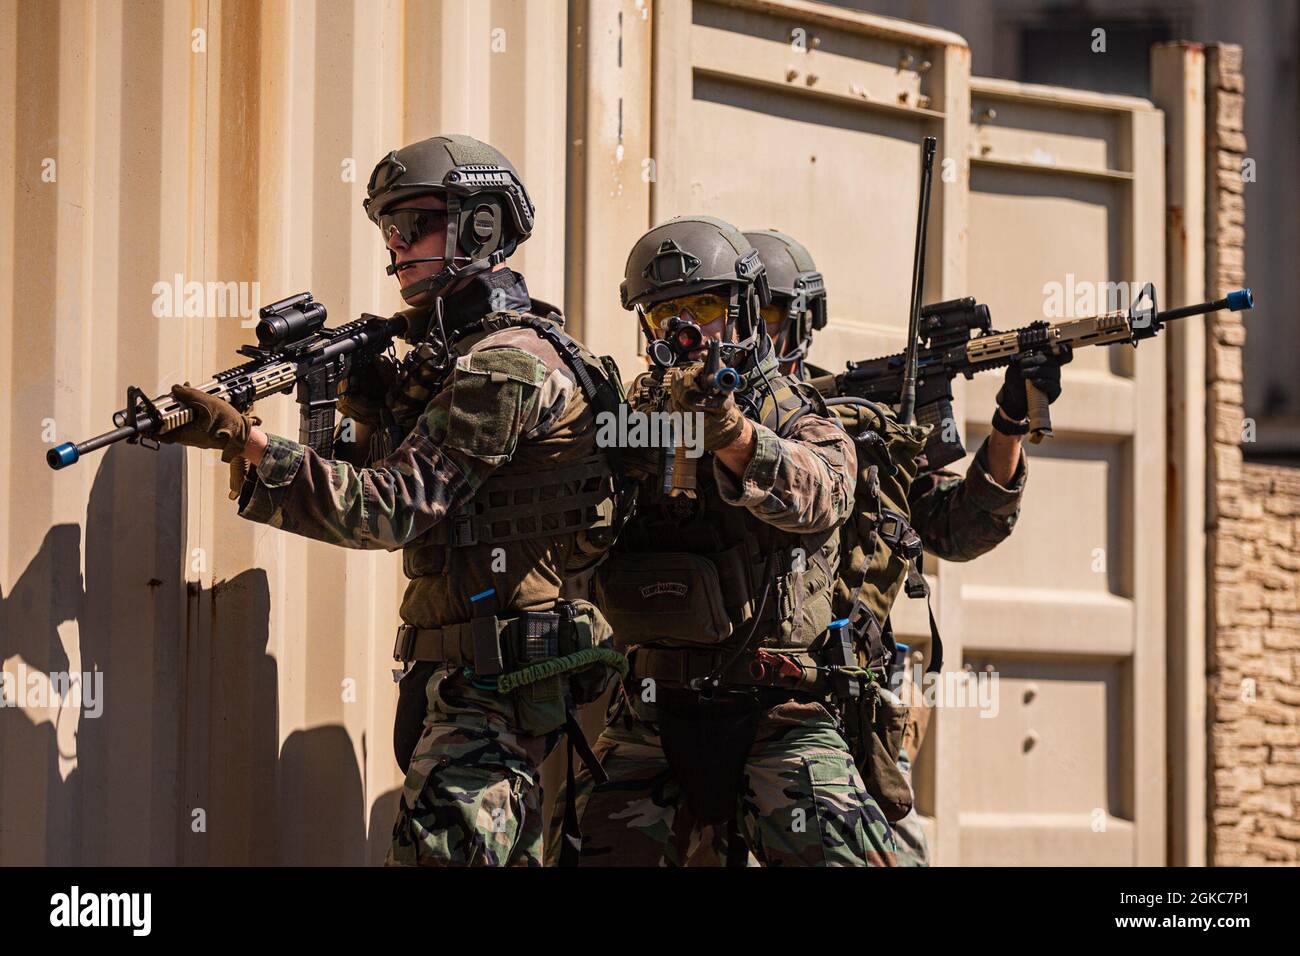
(493, 645)
(792, 669)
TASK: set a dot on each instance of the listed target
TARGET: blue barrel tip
(61, 456)
(727, 379)
(1241, 300)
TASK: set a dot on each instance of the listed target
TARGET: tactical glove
(215, 423)
(366, 390)
(1043, 370)
(723, 420)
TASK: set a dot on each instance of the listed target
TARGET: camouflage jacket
(960, 519)
(510, 406)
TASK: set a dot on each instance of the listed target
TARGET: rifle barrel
(61, 456)
(1237, 301)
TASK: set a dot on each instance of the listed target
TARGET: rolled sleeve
(985, 492)
(756, 484)
(280, 462)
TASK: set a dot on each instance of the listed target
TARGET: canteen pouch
(670, 598)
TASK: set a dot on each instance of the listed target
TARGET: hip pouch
(876, 721)
(706, 744)
(671, 598)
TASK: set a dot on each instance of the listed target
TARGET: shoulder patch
(513, 363)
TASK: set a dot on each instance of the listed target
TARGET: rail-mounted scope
(681, 338)
(282, 325)
(950, 323)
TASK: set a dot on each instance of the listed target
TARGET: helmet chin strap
(460, 266)
(439, 281)
(792, 337)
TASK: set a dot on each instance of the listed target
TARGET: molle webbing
(604, 391)
(515, 507)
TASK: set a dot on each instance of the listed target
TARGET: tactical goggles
(702, 309)
(412, 224)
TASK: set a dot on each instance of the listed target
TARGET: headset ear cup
(481, 227)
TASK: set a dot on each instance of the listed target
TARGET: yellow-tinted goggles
(773, 315)
(702, 309)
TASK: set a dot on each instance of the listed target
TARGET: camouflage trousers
(472, 795)
(801, 799)
(912, 848)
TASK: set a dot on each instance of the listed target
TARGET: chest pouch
(675, 597)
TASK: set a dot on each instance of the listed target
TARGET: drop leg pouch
(706, 745)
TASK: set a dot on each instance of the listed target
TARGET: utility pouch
(672, 598)
(876, 722)
(488, 660)
(486, 633)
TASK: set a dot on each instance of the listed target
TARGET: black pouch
(412, 706)
(707, 744)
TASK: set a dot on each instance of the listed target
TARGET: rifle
(681, 338)
(951, 348)
(293, 349)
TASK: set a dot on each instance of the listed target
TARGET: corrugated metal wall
(248, 701)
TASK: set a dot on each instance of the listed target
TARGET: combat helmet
(488, 210)
(797, 288)
(694, 254)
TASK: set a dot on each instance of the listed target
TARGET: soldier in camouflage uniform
(476, 456)
(720, 588)
(955, 518)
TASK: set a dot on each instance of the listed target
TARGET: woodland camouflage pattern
(510, 404)
(472, 795)
(801, 802)
(958, 519)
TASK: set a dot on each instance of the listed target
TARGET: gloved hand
(723, 420)
(1043, 370)
(215, 424)
(366, 390)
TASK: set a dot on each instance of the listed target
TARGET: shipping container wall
(809, 119)
(166, 167)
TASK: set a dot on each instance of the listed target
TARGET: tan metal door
(1067, 195)
(809, 119)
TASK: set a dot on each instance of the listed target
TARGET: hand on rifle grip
(1040, 415)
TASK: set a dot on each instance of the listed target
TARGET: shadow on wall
(183, 765)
